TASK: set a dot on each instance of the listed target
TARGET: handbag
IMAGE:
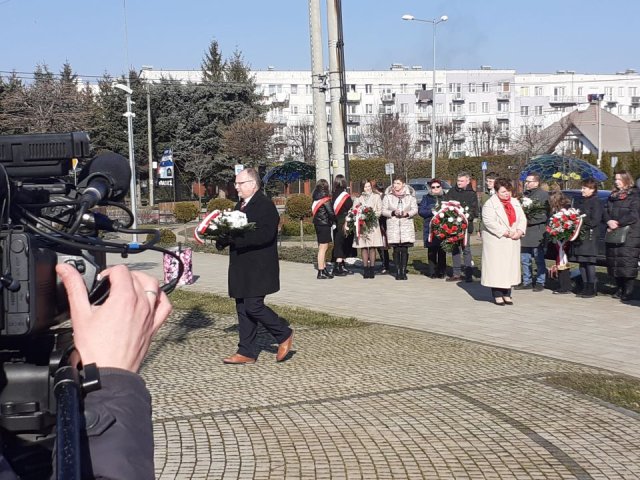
(617, 236)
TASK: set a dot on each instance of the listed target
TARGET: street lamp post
(132, 164)
(149, 136)
(433, 22)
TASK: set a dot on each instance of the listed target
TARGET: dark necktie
(243, 205)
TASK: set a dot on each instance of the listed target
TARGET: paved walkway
(387, 402)
(600, 332)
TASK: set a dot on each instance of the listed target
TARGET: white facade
(501, 102)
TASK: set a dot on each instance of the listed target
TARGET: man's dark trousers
(251, 311)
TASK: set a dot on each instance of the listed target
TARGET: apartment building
(481, 111)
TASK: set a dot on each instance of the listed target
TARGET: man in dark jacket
(464, 193)
(532, 247)
(254, 271)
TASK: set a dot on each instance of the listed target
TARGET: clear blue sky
(588, 36)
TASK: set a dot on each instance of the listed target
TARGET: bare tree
(445, 132)
(301, 135)
(533, 140)
(201, 166)
(248, 141)
(483, 139)
(390, 138)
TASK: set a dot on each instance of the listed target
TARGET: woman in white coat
(503, 224)
(399, 206)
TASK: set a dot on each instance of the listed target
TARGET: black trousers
(437, 259)
(251, 311)
(500, 292)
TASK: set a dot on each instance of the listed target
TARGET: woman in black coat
(323, 220)
(342, 243)
(585, 250)
(623, 209)
(436, 255)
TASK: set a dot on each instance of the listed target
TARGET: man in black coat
(532, 245)
(254, 271)
(464, 193)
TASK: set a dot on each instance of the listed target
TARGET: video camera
(45, 219)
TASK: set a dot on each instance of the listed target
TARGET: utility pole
(337, 126)
(323, 165)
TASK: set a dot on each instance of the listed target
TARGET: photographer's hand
(116, 334)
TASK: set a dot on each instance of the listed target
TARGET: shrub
(418, 221)
(291, 228)
(186, 211)
(167, 237)
(221, 204)
(298, 206)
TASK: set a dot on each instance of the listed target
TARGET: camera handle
(67, 389)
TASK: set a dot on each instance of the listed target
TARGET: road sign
(74, 163)
(389, 169)
(238, 168)
(484, 165)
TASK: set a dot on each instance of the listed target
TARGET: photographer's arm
(116, 337)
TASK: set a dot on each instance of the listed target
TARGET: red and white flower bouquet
(217, 224)
(449, 224)
(563, 227)
(360, 220)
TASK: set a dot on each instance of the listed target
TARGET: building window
(485, 107)
(619, 109)
(524, 91)
(272, 89)
(524, 111)
(580, 90)
(369, 108)
(439, 108)
(539, 91)
(438, 88)
(485, 87)
(403, 88)
(504, 87)
(473, 107)
(294, 89)
(621, 91)
(404, 108)
(385, 88)
(368, 88)
(608, 91)
(308, 90)
(503, 107)
(538, 110)
(472, 88)
(632, 91)
(352, 109)
(294, 110)
(309, 109)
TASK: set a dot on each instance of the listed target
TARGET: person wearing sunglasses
(436, 255)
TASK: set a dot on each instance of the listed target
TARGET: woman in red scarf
(503, 224)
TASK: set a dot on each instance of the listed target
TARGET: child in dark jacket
(323, 221)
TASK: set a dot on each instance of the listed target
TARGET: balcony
(635, 101)
(354, 97)
(353, 118)
(423, 137)
(502, 134)
(458, 137)
(279, 139)
(387, 97)
(458, 118)
(563, 101)
(278, 119)
(353, 138)
(457, 98)
(610, 100)
(504, 96)
(424, 96)
(279, 98)
(423, 116)
(504, 116)
(385, 109)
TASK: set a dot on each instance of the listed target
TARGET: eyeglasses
(530, 181)
(435, 186)
(236, 184)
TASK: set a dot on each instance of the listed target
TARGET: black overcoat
(254, 269)
(585, 249)
(622, 261)
(536, 224)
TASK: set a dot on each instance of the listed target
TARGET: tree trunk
(301, 234)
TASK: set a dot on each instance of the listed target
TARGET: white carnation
(450, 220)
(441, 215)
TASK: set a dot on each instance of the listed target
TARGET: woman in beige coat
(503, 224)
(399, 206)
(368, 242)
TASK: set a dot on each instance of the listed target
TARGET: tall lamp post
(433, 22)
(149, 136)
(132, 163)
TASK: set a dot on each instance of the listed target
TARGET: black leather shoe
(522, 286)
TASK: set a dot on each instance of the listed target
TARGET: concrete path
(600, 332)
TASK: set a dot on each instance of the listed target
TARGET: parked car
(421, 186)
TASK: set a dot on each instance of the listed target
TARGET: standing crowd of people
(515, 243)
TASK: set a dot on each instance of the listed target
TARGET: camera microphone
(106, 177)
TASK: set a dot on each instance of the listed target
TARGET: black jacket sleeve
(118, 441)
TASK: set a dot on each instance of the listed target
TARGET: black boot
(372, 272)
(396, 263)
(627, 290)
(564, 277)
(339, 270)
(620, 285)
(404, 260)
(589, 290)
(324, 274)
(468, 274)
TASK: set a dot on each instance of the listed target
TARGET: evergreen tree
(237, 70)
(213, 68)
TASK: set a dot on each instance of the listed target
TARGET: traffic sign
(74, 163)
(484, 165)
(389, 169)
